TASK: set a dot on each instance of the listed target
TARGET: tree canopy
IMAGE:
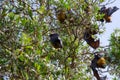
(27, 53)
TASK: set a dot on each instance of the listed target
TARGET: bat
(107, 13)
(90, 40)
(61, 15)
(98, 61)
(55, 41)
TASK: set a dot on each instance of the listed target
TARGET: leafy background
(26, 52)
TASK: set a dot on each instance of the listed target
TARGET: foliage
(114, 51)
(25, 49)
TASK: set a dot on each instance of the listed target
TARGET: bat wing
(110, 11)
(94, 44)
(91, 41)
(57, 43)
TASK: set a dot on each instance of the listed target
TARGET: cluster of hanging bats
(98, 61)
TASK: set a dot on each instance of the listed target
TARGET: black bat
(55, 40)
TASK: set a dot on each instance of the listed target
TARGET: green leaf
(21, 57)
(11, 15)
(25, 39)
(42, 9)
(102, 1)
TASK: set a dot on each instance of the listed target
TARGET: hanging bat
(98, 61)
(90, 40)
(55, 41)
(61, 15)
(93, 67)
(107, 13)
